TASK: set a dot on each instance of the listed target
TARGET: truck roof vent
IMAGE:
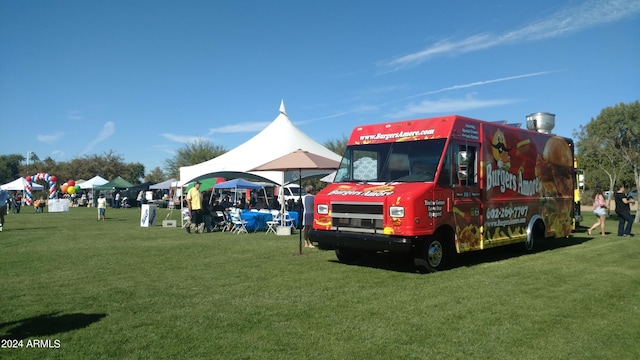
(541, 122)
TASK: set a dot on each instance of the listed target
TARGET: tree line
(108, 165)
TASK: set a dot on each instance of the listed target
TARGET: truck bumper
(373, 242)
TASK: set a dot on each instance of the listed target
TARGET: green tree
(338, 146)
(10, 167)
(133, 172)
(192, 153)
(108, 165)
(156, 175)
(611, 143)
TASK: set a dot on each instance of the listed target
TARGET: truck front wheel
(347, 256)
(434, 256)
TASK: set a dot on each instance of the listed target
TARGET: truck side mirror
(462, 161)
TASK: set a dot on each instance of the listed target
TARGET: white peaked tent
(279, 138)
(20, 184)
(93, 182)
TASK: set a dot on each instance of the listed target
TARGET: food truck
(442, 186)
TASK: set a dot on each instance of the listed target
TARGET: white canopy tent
(93, 182)
(165, 185)
(279, 138)
(20, 184)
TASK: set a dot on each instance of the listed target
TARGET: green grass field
(115, 290)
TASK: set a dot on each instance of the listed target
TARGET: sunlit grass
(115, 290)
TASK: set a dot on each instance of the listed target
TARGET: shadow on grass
(513, 251)
(384, 261)
(48, 324)
(404, 263)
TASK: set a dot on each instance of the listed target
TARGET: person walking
(18, 201)
(4, 197)
(194, 203)
(307, 215)
(624, 212)
(599, 209)
(102, 207)
(140, 198)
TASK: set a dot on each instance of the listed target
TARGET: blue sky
(142, 78)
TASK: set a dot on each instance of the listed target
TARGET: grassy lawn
(115, 290)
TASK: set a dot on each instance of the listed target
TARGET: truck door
(467, 205)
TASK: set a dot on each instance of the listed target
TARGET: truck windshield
(408, 161)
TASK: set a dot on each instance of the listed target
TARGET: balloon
(64, 188)
(71, 183)
(77, 187)
(53, 178)
(71, 190)
(28, 178)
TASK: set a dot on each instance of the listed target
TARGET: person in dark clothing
(226, 202)
(623, 211)
(207, 213)
(18, 202)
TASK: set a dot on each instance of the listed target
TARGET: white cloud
(50, 138)
(108, 129)
(479, 83)
(447, 105)
(240, 127)
(564, 22)
(75, 115)
(57, 154)
(181, 138)
(356, 109)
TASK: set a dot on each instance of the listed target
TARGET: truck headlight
(322, 209)
(396, 211)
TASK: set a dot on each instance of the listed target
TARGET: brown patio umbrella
(301, 160)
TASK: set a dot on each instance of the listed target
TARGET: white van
(293, 192)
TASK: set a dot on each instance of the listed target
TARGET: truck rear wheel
(535, 235)
(435, 255)
(347, 256)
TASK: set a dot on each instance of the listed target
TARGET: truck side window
(466, 165)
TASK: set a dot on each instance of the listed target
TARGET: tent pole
(300, 206)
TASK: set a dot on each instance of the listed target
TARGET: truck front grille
(357, 217)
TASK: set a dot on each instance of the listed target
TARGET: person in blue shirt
(4, 197)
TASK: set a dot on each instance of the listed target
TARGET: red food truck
(447, 185)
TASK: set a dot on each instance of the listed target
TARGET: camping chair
(220, 221)
(272, 224)
(239, 225)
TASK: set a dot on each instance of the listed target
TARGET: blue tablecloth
(258, 220)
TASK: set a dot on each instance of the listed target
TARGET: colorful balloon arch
(41, 176)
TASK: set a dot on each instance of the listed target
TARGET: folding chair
(239, 225)
(287, 220)
(220, 221)
(273, 223)
(186, 218)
